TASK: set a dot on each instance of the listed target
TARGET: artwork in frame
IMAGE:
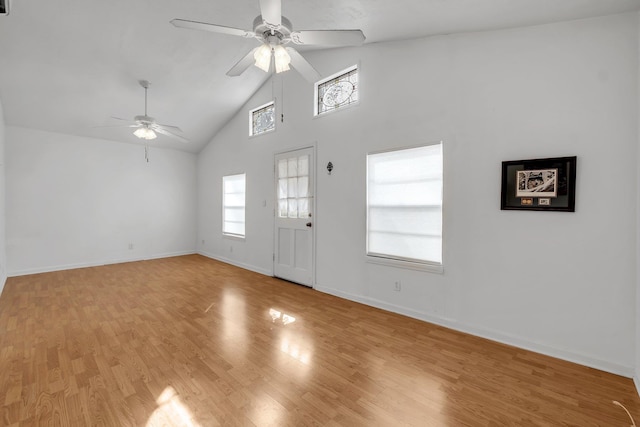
(539, 184)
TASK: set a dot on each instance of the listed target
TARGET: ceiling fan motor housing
(265, 33)
(4, 7)
(144, 120)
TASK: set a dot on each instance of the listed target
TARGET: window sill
(430, 268)
(330, 112)
(233, 237)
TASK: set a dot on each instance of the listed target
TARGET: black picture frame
(539, 184)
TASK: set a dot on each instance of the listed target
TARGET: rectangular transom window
(262, 119)
(404, 205)
(337, 91)
(233, 205)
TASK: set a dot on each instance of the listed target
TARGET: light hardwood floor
(189, 341)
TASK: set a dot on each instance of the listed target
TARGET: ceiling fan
(274, 32)
(146, 126)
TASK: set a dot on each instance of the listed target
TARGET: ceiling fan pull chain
(273, 88)
(146, 152)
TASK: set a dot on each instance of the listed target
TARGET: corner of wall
(636, 377)
(3, 234)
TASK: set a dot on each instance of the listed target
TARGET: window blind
(404, 204)
(233, 222)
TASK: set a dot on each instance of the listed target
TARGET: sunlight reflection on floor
(267, 412)
(234, 315)
(171, 411)
(282, 317)
(295, 350)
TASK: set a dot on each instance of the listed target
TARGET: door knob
(308, 224)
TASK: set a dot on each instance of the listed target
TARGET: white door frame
(314, 209)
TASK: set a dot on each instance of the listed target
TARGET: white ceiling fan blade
(243, 64)
(271, 12)
(328, 37)
(303, 66)
(195, 25)
(124, 120)
(169, 127)
(165, 132)
(117, 126)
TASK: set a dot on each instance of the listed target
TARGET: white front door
(295, 175)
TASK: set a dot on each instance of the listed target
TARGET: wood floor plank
(192, 341)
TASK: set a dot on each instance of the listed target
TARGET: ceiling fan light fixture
(282, 59)
(263, 57)
(145, 133)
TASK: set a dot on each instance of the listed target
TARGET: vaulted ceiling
(69, 65)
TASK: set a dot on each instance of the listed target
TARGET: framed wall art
(539, 184)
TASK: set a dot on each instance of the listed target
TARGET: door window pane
(294, 187)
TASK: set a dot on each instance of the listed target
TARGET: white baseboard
(500, 337)
(50, 269)
(249, 267)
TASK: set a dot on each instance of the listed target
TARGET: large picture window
(233, 205)
(404, 205)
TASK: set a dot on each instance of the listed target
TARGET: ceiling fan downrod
(145, 84)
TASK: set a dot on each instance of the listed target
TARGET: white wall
(558, 283)
(3, 247)
(637, 336)
(74, 201)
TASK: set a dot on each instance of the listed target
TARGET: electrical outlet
(230, 248)
(203, 241)
(397, 285)
(130, 245)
